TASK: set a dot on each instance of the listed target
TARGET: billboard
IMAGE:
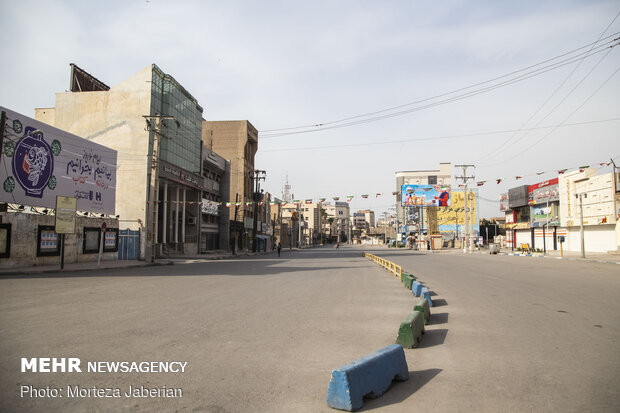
(518, 196)
(452, 218)
(547, 191)
(425, 195)
(40, 162)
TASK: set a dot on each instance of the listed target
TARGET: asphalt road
(263, 334)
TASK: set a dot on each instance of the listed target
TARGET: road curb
(516, 254)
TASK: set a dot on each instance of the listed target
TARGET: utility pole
(257, 176)
(583, 246)
(466, 178)
(155, 123)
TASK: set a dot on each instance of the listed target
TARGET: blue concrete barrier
(369, 376)
(426, 294)
(416, 288)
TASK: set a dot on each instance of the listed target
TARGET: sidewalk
(609, 258)
(613, 258)
(122, 264)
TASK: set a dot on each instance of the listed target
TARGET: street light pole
(257, 176)
(583, 246)
(154, 123)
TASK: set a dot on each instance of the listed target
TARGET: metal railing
(395, 269)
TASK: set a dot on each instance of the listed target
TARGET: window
(91, 240)
(432, 179)
(110, 242)
(47, 241)
(5, 240)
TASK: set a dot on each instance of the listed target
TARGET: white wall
(598, 238)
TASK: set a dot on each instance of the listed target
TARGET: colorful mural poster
(425, 195)
(40, 162)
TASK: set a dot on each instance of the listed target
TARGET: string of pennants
(349, 198)
(559, 171)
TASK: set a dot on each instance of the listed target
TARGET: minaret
(286, 195)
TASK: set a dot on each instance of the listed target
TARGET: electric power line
(338, 124)
(553, 94)
(469, 135)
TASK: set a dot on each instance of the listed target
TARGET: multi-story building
(237, 141)
(369, 218)
(159, 169)
(408, 218)
(339, 214)
(587, 196)
(549, 213)
(215, 219)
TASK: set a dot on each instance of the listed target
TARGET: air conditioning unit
(191, 220)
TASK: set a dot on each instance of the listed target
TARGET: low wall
(24, 248)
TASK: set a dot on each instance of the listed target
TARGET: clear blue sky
(284, 64)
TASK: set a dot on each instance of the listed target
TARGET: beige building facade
(237, 141)
(167, 213)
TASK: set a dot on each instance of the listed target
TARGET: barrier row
(373, 374)
(397, 270)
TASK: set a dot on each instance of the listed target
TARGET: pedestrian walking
(337, 245)
(279, 248)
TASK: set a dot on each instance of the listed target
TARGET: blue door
(128, 244)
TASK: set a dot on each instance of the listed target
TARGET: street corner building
(170, 187)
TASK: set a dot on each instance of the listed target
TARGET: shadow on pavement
(400, 391)
(439, 302)
(433, 338)
(251, 267)
(440, 318)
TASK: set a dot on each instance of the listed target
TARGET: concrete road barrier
(411, 330)
(416, 288)
(423, 307)
(408, 280)
(427, 295)
(369, 376)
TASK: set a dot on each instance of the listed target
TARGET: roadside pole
(102, 239)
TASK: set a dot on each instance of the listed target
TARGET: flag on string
(336, 198)
(272, 203)
(308, 201)
(561, 171)
(248, 203)
(518, 177)
(365, 196)
(238, 204)
(378, 195)
(499, 180)
(480, 183)
(349, 198)
(260, 203)
(539, 173)
(583, 168)
(322, 199)
(394, 193)
(227, 204)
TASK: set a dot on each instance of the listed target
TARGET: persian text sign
(65, 214)
(40, 162)
(425, 195)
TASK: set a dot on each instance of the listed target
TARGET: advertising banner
(40, 162)
(547, 191)
(65, 215)
(425, 195)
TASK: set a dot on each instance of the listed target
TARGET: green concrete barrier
(423, 307)
(408, 280)
(411, 330)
